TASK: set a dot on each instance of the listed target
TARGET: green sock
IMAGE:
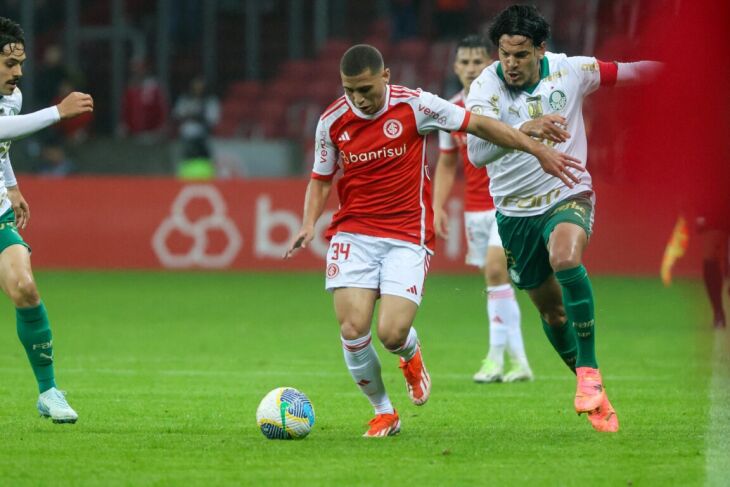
(563, 341)
(578, 300)
(34, 332)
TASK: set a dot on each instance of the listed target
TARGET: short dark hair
(523, 20)
(473, 41)
(10, 33)
(359, 58)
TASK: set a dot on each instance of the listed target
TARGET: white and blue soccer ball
(284, 414)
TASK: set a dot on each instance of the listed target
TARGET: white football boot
(489, 372)
(518, 373)
(52, 404)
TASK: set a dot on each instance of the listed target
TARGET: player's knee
(496, 275)
(351, 330)
(561, 260)
(24, 293)
(554, 317)
(392, 339)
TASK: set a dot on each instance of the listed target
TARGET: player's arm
(17, 201)
(442, 184)
(594, 73)
(553, 162)
(19, 206)
(318, 190)
(19, 126)
(637, 73)
(319, 187)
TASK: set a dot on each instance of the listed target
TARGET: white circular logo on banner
(178, 221)
(392, 128)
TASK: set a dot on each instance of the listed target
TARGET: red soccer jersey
(476, 197)
(385, 189)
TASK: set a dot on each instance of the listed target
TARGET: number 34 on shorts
(390, 265)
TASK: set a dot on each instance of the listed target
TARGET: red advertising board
(136, 223)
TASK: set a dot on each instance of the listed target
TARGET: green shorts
(525, 238)
(8, 233)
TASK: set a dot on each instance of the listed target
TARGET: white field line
(717, 450)
(298, 372)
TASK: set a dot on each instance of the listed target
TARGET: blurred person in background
(53, 160)
(73, 130)
(16, 275)
(714, 229)
(382, 236)
(144, 105)
(544, 223)
(196, 113)
(51, 73)
(451, 18)
(404, 17)
(484, 247)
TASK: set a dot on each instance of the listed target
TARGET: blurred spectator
(51, 73)
(53, 160)
(75, 129)
(452, 18)
(405, 19)
(197, 112)
(144, 106)
(187, 23)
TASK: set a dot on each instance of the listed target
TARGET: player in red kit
(484, 247)
(382, 236)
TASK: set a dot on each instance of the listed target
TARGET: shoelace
(58, 399)
(411, 375)
(380, 419)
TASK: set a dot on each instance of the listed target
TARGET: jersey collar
(544, 73)
(360, 114)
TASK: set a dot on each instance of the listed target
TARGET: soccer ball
(285, 414)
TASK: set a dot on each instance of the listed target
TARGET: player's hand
(20, 207)
(558, 164)
(548, 127)
(441, 223)
(75, 104)
(302, 239)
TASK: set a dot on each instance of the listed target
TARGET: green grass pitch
(166, 371)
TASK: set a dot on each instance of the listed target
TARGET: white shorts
(481, 232)
(392, 266)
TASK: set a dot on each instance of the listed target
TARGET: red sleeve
(467, 117)
(609, 73)
(322, 177)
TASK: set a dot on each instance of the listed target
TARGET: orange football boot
(604, 418)
(589, 394)
(383, 425)
(418, 382)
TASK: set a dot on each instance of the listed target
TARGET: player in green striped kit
(16, 275)
(545, 220)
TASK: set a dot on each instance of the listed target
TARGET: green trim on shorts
(9, 234)
(525, 238)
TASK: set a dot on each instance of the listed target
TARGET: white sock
(364, 366)
(408, 350)
(498, 321)
(505, 306)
